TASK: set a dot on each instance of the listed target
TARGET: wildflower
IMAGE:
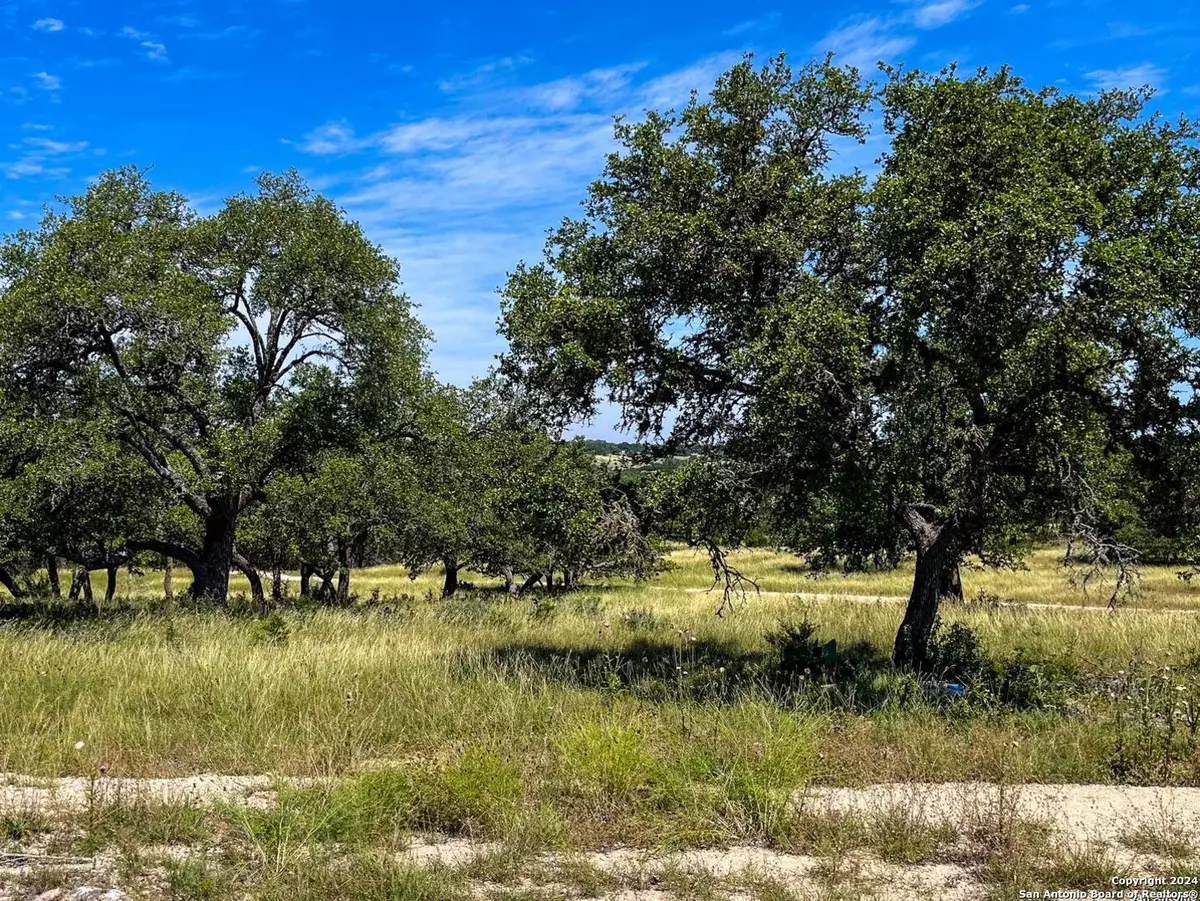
(79, 746)
(721, 670)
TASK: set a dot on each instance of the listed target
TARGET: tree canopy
(216, 351)
(982, 339)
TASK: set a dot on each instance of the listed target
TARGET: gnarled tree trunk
(256, 586)
(81, 586)
(110, 587)
(450, 584)
(210, 569)
(937, 561)
(306, 574)
(7, 580)
(343, 584)
(52, 576)
(952, 589)
(169, 578)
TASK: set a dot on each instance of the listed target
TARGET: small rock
(53, 895)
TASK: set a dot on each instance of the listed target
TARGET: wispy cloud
(41, 157)
(761, 23)
(155, 50)
(460, 198)
(330, 139)
(185, 20)
(49, 25)
(483, 74)
(1127, 77)
(568, 93)
(46, 81)
(864, 43)
(941, 12)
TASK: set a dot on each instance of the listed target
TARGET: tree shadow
(791, 673)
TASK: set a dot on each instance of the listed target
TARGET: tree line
(988, 337)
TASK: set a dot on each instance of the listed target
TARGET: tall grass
(315, 692)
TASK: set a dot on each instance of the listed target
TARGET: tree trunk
(52, 576)
(256, 586)
(327, 586)
(110, 587)
(343, 586)
(306, 573)
(7, 580)
(169, 578)
(510, 583)
(951, 589)
(934, 558)
(450, 585)
(277, 583)
(210, 572)
(81, 586)
(529, 582)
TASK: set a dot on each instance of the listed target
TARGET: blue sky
(457, 133)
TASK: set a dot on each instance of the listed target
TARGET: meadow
(618, 716)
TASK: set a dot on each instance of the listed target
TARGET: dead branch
(732, 580)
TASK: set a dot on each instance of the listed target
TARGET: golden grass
(170, 692)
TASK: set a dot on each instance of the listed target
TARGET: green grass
(618, 715)
(613, 681)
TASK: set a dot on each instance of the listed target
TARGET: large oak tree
(972, 345)
(216, 351)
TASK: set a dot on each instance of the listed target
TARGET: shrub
(607, 762)
(479, 791)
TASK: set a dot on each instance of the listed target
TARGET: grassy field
(620, 715)
(1042, 580)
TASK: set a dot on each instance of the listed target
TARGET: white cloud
(941, 12)
(1020, 8)
(330, 138)
(41, 157)
(155, 50)
(46, 81)
(483, 74)
(600, 85)
(674, 88)
(56, 147)
(762, 23)
(1127, 77)
(185, 20)
(49, 24)
(862, 44)
(461, 198)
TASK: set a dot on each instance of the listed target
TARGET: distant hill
(610, 448)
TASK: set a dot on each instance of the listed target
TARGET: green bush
(607, 762)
